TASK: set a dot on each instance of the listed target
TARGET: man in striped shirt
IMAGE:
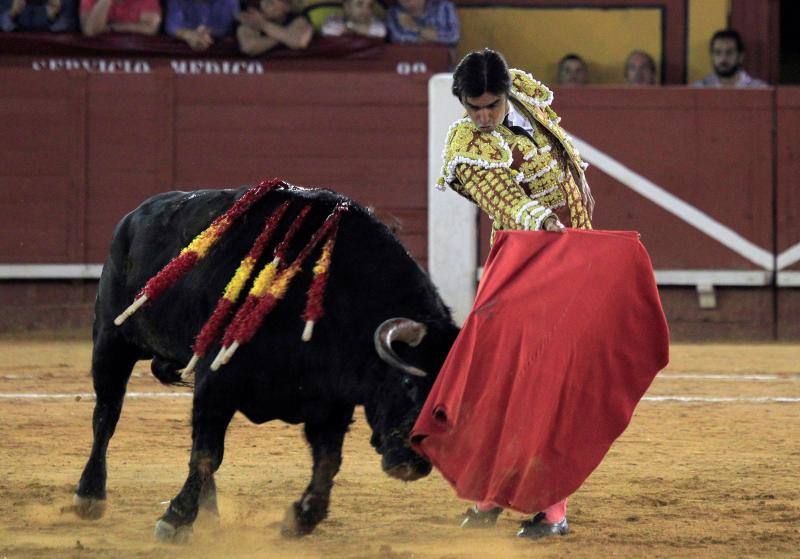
(424, 21)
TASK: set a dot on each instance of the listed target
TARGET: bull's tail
(168, 372)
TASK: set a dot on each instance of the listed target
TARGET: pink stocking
(556, 513)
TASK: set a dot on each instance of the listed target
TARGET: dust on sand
(685, 479)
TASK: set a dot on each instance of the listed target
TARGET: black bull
(277, 375)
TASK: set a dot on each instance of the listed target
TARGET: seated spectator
(357, 19)
(38, 15)
(424, 21)
(640, 69)
(122, 16)
(572, 70)
(199, 22)
(271, 25)
(727, 55)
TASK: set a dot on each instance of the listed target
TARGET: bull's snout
(410, 469)
(409, 472)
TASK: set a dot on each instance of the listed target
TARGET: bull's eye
(410, 388)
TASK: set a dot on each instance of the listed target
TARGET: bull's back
(150, 236)
(372, 278)
(161, 226)
(147, 238)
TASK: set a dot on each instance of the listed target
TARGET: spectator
(38, 15)
(357, 18)
(122, 16)
(272, 24)
(423, 21)
(640, 69)
(572, 70)
(199, 22)
(727, 54)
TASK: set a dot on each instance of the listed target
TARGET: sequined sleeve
(497, 193)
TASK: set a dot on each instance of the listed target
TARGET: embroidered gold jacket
(516, 181)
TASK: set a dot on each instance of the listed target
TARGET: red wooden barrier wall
(713, 150)
(788, 207)
(732, 155)
(83, 149)
(88, 148)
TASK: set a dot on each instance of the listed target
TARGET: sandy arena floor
(688, 478)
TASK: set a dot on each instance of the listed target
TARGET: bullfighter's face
(487, 111)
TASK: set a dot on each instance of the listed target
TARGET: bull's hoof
(88, 508)
(294, 524)
(167, 533)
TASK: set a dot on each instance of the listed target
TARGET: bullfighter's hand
(553, 224)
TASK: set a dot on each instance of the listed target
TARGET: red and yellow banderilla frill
(197, 249)
(316, 293)
(249, 320)
(211, 329)
(261, 286)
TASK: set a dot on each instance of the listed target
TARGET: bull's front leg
(326, 438)
(209, 423)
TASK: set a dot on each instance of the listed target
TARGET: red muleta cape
(565, 336)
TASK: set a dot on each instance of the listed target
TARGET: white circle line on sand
(87, 395)
(680, 399)
(790, 377)
(725, 399)
(707, 376)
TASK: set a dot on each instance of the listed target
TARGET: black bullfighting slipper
(475, 518)
(537, 527)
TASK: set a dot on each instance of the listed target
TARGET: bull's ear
(399, 329)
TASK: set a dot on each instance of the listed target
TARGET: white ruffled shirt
(516, 119)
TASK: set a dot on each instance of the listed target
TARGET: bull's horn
(399, 330)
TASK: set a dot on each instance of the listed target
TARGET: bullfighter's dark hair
(727, 34)
(481, 72)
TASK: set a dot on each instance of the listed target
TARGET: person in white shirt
(727, 55)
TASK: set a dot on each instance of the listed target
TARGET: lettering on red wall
(138, 66)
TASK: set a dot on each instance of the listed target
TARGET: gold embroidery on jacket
(517, 181)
